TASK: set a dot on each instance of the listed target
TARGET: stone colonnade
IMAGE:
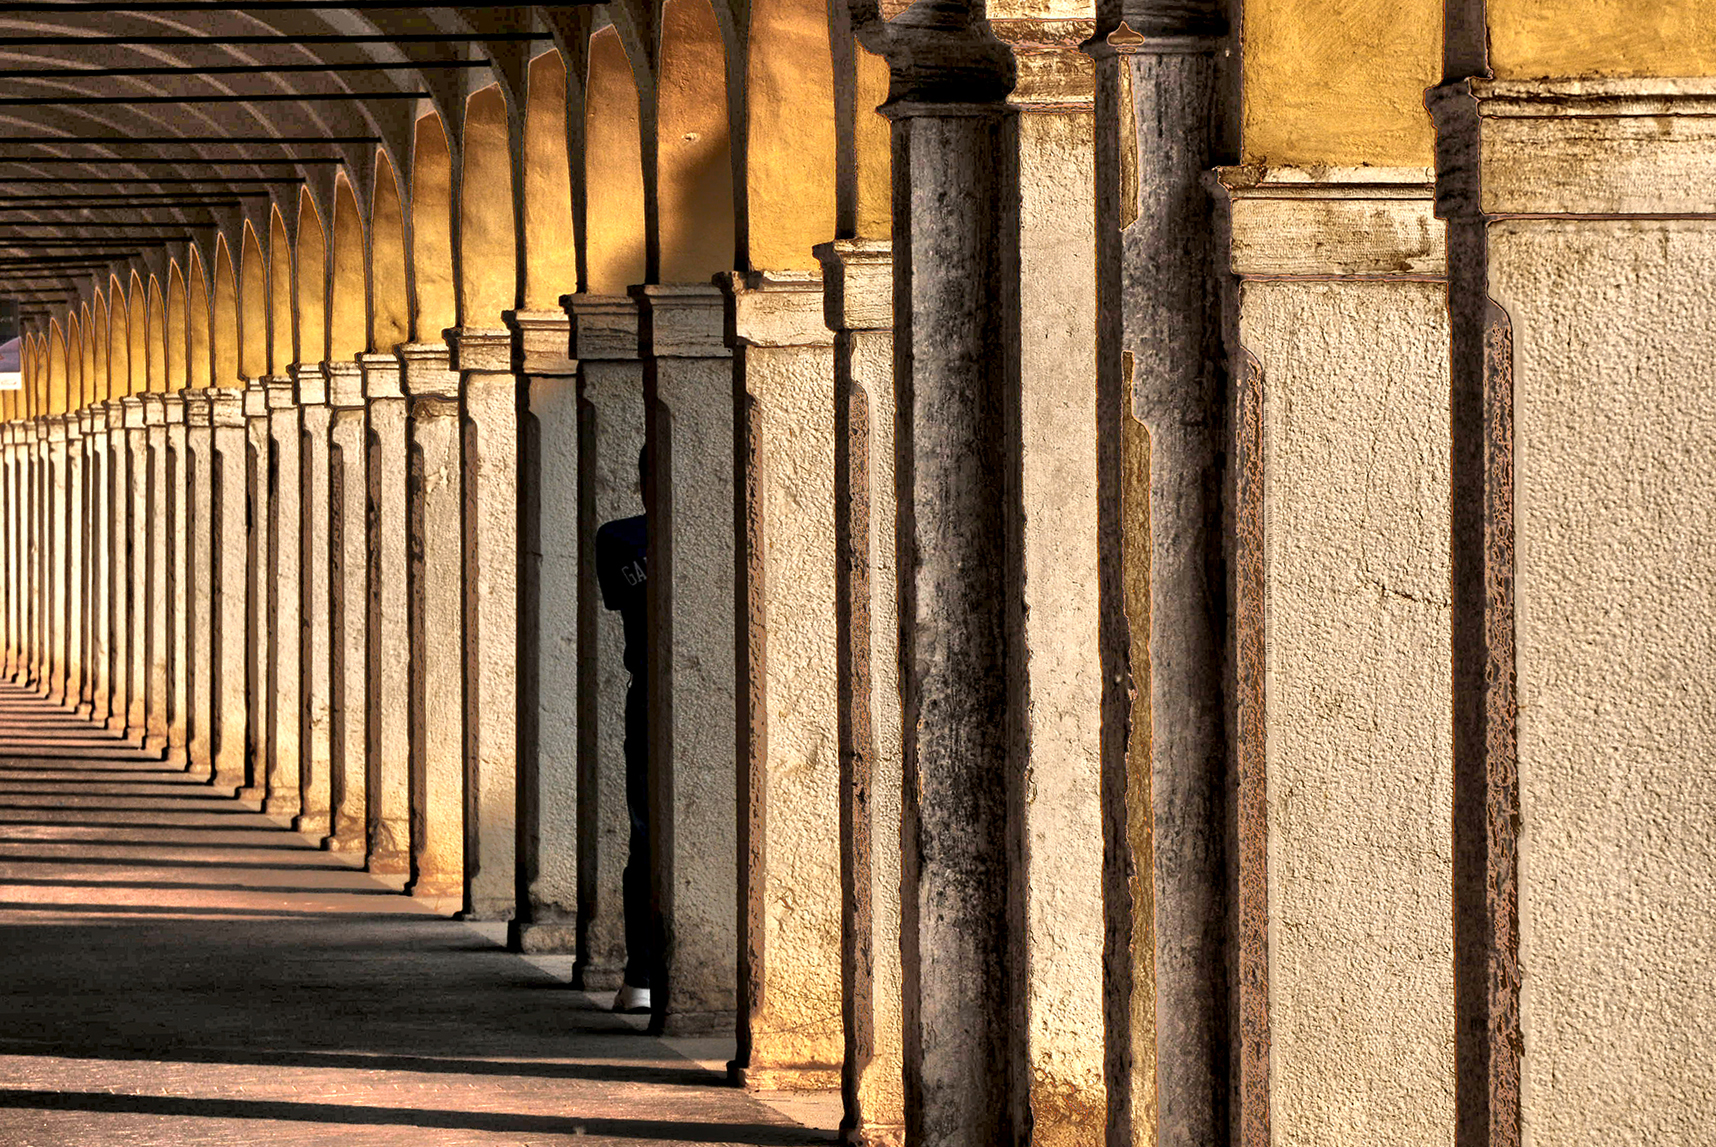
(1144, 647)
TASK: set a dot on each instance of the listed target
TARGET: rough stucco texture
(1359, 733)
(1530, 39)
(1340, 81)
(1616, 592)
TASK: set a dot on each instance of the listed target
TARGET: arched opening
(551, 242)
(432, 231)
(252, 307)
(613, 170)
(137, 334)
(282, 305)
(223, 335)
(390, 294)
(348, 305)
(178, 328)
(74, 360)
(311, 281)
(789, 156)
(118, 340)
(488, 229)
(199, 344)
(56, 396)
(694, 185)
(158, 380)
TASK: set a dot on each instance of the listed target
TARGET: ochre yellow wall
(282, 326)
(488, 267)
(1531, 39)
(178, 327)
(197, 341)
(1340, 82)
(348, 306)
(432, 229)
(253, 306)
(137, 331)
(613, 170)
(789, 147)
(550, 243)
(694, 200)
(311, 265)
(224, 333)
(157, 336)
(389, 300)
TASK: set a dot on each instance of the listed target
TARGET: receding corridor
(182, 969)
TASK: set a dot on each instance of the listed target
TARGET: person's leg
(640, 954)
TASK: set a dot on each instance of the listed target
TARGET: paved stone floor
(177, 968)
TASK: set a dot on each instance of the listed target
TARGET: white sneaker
(631, 1001)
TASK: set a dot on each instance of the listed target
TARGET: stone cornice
(311, 382)
(859, 291)
(345, 384)
(776, 309)
(682, 320)
(604, 327)
(542, 342)
(941, 55)
(382, 374)
(425, 371)
(1364, 222)
(486, 350)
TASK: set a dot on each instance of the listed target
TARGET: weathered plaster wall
(1615, 564)
(1340, 81)
(1359, 734)
(1531, 39)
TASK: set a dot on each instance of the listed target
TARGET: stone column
(285, 444)
(57, 581)
(484, 360)
(858, 304)
(610, 429)
(140, 561)
(259, 582)
(791, 1034)
(229, 580)
(154, 531)
(98, 608)
(77, 564)
(688, 402)
(14, 501)
(387, 626)
(1187, 1015)
(199, 543)
(117, 492)
(177, 565)
(549, 795)
(315, 649)
(348, 608)
(434, 497)
(963, 653)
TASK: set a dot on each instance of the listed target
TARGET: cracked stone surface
(184, 969)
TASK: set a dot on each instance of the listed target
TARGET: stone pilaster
(388, 630)
(58, 525)
(228, 574)
(858, 304)
(140, 573)
(98, 610)
(285, 434)
(117, 495)
(259, 582)
(41, 556)
(77, 565)
(435, 502)
(199, 542)
(550, 796)
(963, 654)
(14, 504)
(1178, 1020)
(790, 1029)
(688, 403)
(315, 652)
(348, 607)
(154, 534)
(484, 359)
(176, 481)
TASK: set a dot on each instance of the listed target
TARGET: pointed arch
(390, 287)
(137, 333)
(94, 356)
(312, 280)
(252, 306)
(694, 165)
(614, 235)
(223, 331)
(550, 239)
(118, 340)
(488, 229)
(432, 231)
(198, 341)
(56, 396)
(348, 300)
(178, 327)
(74, 359)
(282, 325)
(159, 380)
(103, 348)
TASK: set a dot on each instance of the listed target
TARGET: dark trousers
(640, 918)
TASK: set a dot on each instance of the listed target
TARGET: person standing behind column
(621, 570)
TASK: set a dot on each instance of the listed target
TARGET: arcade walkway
(179, 968)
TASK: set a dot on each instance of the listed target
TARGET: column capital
(858, 294)
(311, 381)
(226, 406)
(345, 384)
(425, 367)
(134, 413)
(682, 320)
(487, 350)
(55, 427)
(1053, 73)
(1159, 28)
(942, 57)
(154, 409)
(381, 375)
(604, 327)
(197, 409)
(775, 308)
(173, 408)
(542, 342)
(256, 398)
(282, 394)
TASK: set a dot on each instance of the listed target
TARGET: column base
(783, 1078)
(282, 806)
(393, 865)
(542, 937)
(439, 897)
(695, 1023)
(489, 908)
(251, 793)
(345, 838)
